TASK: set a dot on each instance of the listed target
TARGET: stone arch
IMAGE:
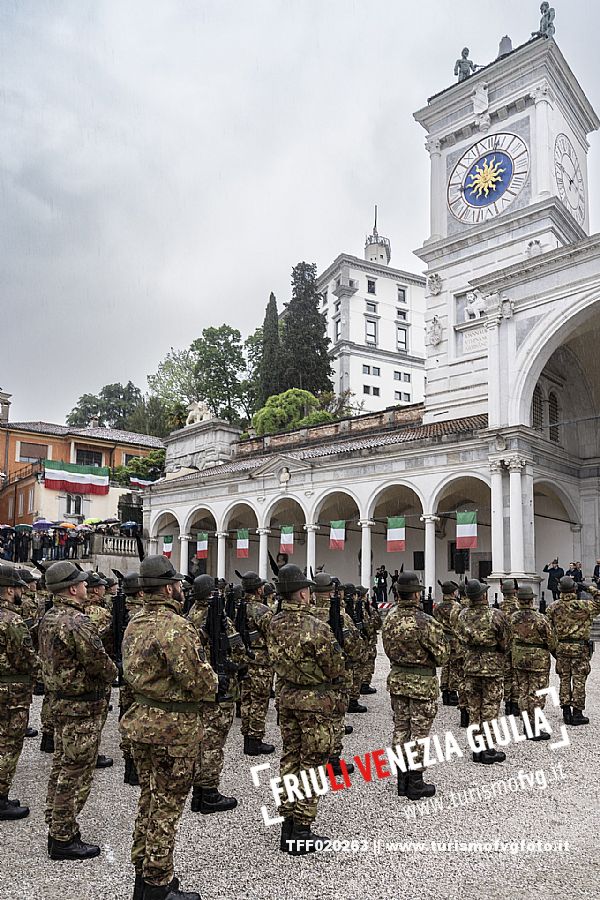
(277, 504)
(194, 515)
(326, 495)
(237, 504)
(441, 488)
(562, 495)
(382, 489)
(156, 523)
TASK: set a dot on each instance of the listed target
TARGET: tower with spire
(377, 248)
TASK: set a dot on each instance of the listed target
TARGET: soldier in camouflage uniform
(372, 627)
(165, 666)
(415, 645)
(101, 619)
(46, 720)
(256, 686)
(77, 672)
(571, 618)
(310, 667)
(352, 647)
(134, 594)
(216, 712)
(532, 644)
(18, 669)
(349, 598)
(485, 634)
(445, 613)
(509, 605)
(31, 609)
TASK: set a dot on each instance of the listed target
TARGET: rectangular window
(370, 286)
(20, 504)
(11, 506)
(366, 370)
(401, 294)
(401, 338)
(337, 305)
(376, 392)
(32, 452)
(371, 307)
(325, 297)
(398, 395)
(406, 376)
(402, 314)
(366, 389)
(127, 457)
(376, 370)
(30, 501)
(88, 458)
(371, 331)
(397, 376)
(406, 398)
(338, 329)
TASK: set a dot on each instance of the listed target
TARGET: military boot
(47, 742)
(31, 732)
(212, 801)
(497, 756)
(464, 718)
(168, 892)
(515, 711)
(286, 834)
(416, 788)
(10, 810)
(348, 729)
(256, 746)
(104, 762)
(302, 841)
(577, 717)
(452, 698)
(402, 783)
(367, 689)
(138, 887)
(131, 775)
(355, 707)
(445, 698)
(484, 758)
(507, 707)
(238, 709)
(75, 849)
(334, 762)
(566, 710)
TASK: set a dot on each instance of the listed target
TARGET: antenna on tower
(375, 223)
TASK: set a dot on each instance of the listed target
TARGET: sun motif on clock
(488, 178)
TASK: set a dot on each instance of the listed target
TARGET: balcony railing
(109, 545)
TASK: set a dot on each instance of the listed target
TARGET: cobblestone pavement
(233, 855)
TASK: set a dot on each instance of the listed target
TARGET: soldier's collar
(292, 604)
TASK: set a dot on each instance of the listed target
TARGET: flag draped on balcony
(286, 542)
(242, 543)
(61, 476)
(337, 535)
(139, 482)
(466, 530)
(202, 545)
(167, 548)
(396, 534)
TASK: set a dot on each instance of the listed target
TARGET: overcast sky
(165, 163)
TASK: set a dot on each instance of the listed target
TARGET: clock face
(569, 179)
(488, 178)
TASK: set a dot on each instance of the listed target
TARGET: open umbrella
(43, 525)
(82, 528)
(92, 521)
(23, 527)
(66, 525)
(109, 521)
(129, 525)
(5, 527)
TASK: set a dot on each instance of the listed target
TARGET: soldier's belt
(167, 706)
(414, 670)
(16, 679)
(527, 644)
(322, 687)
(572, 641)
(90, 697)
(482, 647)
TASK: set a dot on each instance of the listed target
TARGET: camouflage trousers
(256, 692)
(13, 722)
(484, 693)
(125, 701)
(165, 775)
(412, 720)
(527, 684)
(368, 668)
(339, 723)
(450, 675)
(46, 717)
(307, 741)
(357, 680)
(510, 681)
(216, 719)
(76, 742)
(573, 672)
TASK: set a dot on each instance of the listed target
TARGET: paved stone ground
(235, 856)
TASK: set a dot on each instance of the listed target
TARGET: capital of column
(496, 465)
(542, 93)
(185, 537)
(366, 523)
(313, 528)
(576, 528)
(433, 146)
(263, 531)
(429, 517)
(516, 464)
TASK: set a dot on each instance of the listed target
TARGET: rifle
(242, 626)
(216, 627)
(543, 602)
(120, 620)
(335, 617)
(496, 604)
(428, 603)
(230, 602)
(359, 617)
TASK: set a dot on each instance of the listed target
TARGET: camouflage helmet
(11, 577)
(349, 589)
(27, 576)
(95, 579)
(131, 584)
(251, 581)
(509, 585)
(567, 585)
(156, 571)
(203, 587)
(61, 575)
(448, 587)
(408, 583)
(269, 589)
(323, 583)
(292, 579)
(525, 595)
(110, 581)
(475, 588)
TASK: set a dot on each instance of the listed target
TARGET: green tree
(112, 406)
(269, 367)
(149, 467)
(249, 386)
(219, 365)
(176, 380)
(291, 409)
(152, 416)
(87, 408)
(304, 341)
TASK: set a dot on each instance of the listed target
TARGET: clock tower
(508, 149)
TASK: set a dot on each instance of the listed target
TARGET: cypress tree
(269, 373)
(304, 342)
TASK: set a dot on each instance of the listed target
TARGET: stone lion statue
(198, 411)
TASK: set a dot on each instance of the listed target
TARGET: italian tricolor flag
(61, 476)
(286, 542)
(337, 535)
(242, 543)
(396, 534)
(466, 530)
(138, 481)
(202, 545)
(167, 545)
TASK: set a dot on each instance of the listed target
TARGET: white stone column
(184, 541)
(494, 403)
(517, 557)
(543, 98)
(153, 546)
(365, 553)
(221, 547)
(430, 522)
(263, 551)
(528, 519)
(311, 549)
(438, 194)
(576, 532)
(497, 497)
